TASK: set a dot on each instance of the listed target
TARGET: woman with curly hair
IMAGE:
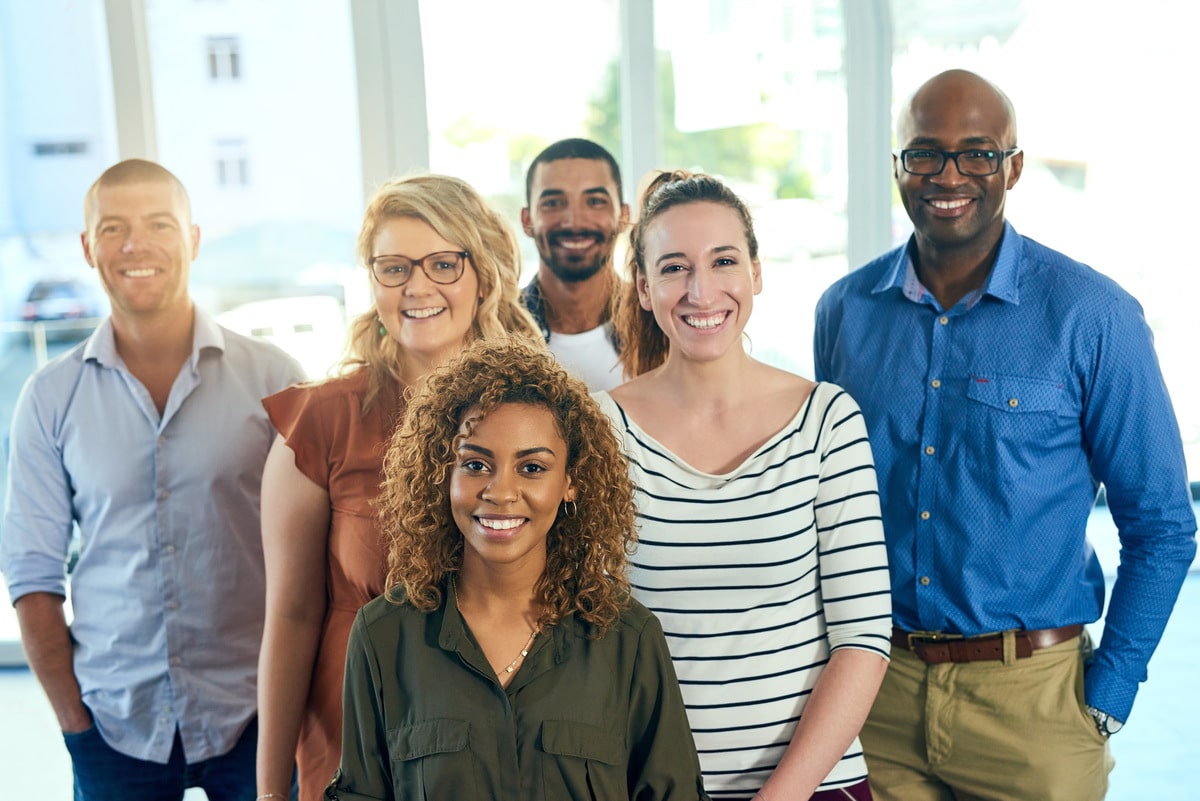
(507, 659)
(761, 544)
(443, 269)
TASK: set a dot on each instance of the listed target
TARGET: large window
(265, 137)
(503, 87)
(756, 94)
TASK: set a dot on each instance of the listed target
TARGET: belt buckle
(916, 638)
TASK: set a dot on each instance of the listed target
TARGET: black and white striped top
(756, 575)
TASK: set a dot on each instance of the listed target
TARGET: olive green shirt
(426, 717)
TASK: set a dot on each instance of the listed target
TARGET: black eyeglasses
(443, 267)
(976, 163)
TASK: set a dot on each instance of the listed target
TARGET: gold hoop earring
(570, 511)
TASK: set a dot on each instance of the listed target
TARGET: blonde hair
(586, 552)
(452, 208)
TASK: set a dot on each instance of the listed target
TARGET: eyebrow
(595, 190)
(154, 215)
(466, 446)
(970, 141)
(679, 254)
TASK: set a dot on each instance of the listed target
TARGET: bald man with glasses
(1002, 384)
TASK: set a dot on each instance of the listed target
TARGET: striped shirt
(756, 575)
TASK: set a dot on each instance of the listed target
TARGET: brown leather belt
(934, 648)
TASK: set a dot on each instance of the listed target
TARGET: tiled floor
(1158, 754)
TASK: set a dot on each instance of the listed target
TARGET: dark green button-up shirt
(426, 717)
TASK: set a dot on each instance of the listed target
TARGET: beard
(571, 268)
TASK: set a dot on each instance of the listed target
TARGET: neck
(576, 307)
(485, 593)
(719, 383)
(417, 366)
(951, 273)
(162, 338)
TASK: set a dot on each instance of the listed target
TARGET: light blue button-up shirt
(993, 424)
(167, 592)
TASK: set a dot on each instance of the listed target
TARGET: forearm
(48, 647)
(832, 719)
(285, 669)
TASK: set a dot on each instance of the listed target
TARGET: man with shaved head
(1002, 384)
(149, 439)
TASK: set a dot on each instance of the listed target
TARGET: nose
(949, 176)
(133, 239)
(700, 286)
(567, 215)
(418, 283)
(501, 489)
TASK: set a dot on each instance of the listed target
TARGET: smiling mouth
(501, 523)
(423, 314)
(576, 241)
(950, 205)
(706, 321)
(143, 273)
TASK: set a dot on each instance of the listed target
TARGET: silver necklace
(524, 653)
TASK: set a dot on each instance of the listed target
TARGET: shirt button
(172, 604)
(164, 494)
(176, 661)
(1013, 402)
(924, 515)
(943, 319)
(935, 383)
(929, 450)
(924, 581)
(168, 549)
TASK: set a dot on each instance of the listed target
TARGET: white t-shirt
(589, 356)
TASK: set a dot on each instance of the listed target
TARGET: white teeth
(705, 322)
(500, 525)
(576, 245)
(949, 204)
(140, 273)
(421, 314)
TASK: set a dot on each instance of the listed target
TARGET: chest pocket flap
(583, 741)
(427, 738)
(1016, 394)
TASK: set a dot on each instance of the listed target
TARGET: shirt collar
(1003, 282)
(101, 346)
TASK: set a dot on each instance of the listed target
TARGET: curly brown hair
(586, 553)
(644, 346)
(452, 208)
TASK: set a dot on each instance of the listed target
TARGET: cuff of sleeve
(1109, 692)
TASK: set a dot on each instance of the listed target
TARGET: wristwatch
(1106, 724)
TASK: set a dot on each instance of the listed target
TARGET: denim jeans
(102, 774)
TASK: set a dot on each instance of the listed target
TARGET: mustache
(560, 235)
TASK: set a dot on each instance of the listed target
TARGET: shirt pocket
(582, 761)
(432, 760)
(1015, 423)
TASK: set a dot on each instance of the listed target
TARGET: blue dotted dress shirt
(993, 424)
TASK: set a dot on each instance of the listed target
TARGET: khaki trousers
(985, 730)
